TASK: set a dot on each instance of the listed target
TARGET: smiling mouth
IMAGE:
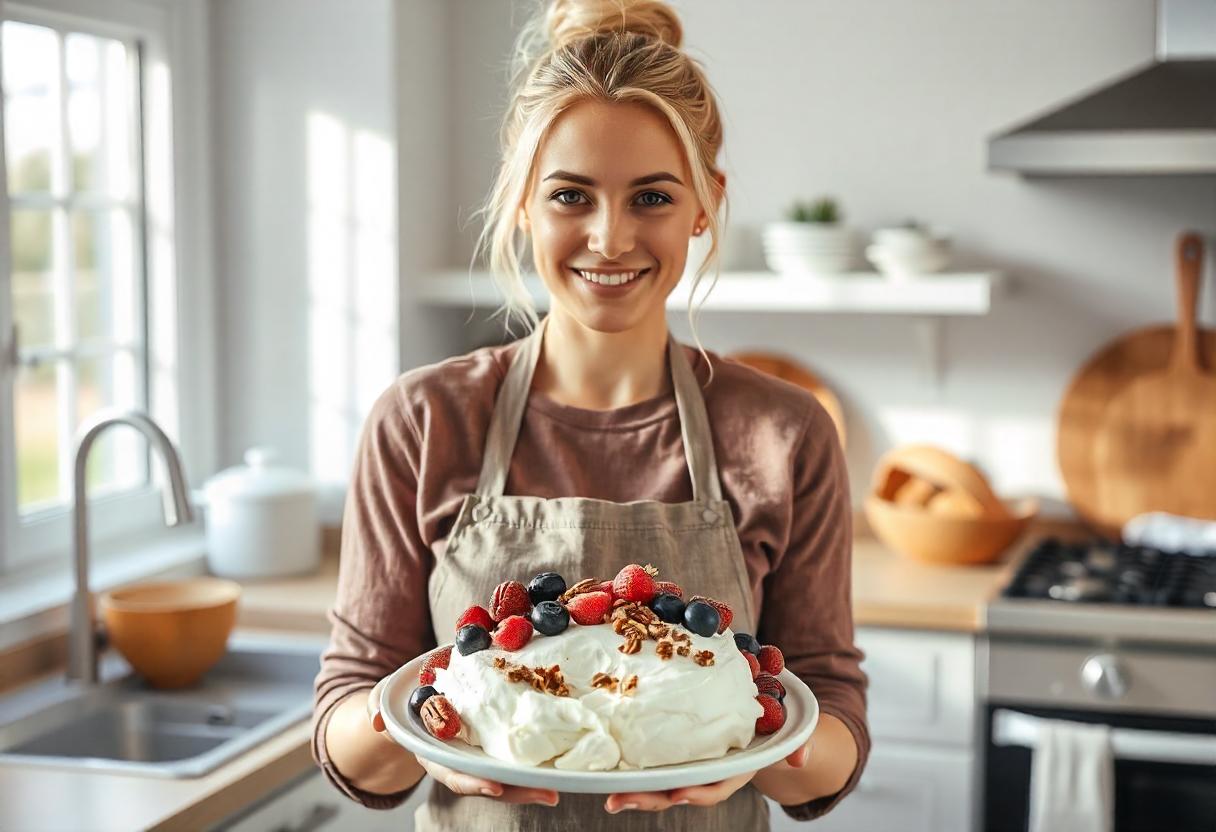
(616, 279)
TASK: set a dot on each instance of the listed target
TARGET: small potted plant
(812, 240)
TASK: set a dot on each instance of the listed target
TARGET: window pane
(37, 437)
(107, 280)
(33, 267)
(100, 110)
(117, 459)
(31, 119)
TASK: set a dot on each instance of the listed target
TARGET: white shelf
(856, 292)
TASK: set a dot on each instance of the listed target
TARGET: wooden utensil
(787, 370)
(1157, 443)
(1103, 486)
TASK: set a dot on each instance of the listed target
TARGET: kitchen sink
(260, 687)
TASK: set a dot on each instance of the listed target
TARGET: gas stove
(1109, 591)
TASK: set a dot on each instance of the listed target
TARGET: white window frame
(173, 35)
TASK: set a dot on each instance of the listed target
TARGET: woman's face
(611, 200)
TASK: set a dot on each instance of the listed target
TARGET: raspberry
(475, 615)
(767, 723)
(670, 588)
(753, 664)
(769, 686)
(633, 583)
(724, 611)
(440, 717)
(513, 633)
(590, 607)
(771, 660)
(439, 658)
(510, 598)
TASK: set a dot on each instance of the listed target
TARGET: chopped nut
(579, 588)
(683, 650)
(632, 645)
(678, 636)
(604, 681)
(657, 631)
(705, 658)
(630, 685)
(542, 679)
(664, 649)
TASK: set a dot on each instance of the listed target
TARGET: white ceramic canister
(261, 519)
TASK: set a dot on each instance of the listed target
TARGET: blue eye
(664, 199)
(558, 197)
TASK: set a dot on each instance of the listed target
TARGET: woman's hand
(458, 781)
(707, 795)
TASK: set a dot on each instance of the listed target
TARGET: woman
(590, 440)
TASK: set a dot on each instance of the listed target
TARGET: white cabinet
(311, 804)
(922, 773)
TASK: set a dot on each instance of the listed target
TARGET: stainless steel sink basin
(260, 687)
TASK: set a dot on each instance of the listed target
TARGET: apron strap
(512, 399)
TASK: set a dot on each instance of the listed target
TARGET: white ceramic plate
(404, 726)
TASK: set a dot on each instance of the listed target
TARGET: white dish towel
(1072, 778)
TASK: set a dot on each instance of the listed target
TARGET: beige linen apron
(498, 538)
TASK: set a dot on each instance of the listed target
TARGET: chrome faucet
(82, 643)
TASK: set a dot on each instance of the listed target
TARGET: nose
(611, 234)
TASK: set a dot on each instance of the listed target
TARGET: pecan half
(632, 645)
(604, 681)
(440, 717)
(665, 650)
(579, 588)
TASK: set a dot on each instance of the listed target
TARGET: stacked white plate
(903, 253)
(809, 248)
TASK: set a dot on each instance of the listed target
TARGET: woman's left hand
(707, 795)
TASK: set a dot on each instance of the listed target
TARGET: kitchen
(308, 235)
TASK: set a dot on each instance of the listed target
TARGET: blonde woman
(484, 467)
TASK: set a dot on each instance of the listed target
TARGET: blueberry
(747, 643)
(546, 586)
(420, 695)
(550, 618)
(668, 607)
(702, 618)
(471, 639)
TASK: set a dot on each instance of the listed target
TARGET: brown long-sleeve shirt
(782, 472)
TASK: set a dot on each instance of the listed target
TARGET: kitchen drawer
(903, 788)
(311, 804)
(922, 685)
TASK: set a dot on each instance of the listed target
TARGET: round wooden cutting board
(788, 370)
(1137, 426)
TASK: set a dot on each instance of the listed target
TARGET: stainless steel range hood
(1157, 119)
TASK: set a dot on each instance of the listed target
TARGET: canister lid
(259, 478)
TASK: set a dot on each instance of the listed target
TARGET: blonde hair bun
(571, 20)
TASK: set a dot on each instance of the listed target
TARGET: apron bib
(498, 538)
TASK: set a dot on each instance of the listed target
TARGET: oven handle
(1013, 728)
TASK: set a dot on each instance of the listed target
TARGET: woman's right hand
(458, 781)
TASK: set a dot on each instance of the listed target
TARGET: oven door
(1165, 768)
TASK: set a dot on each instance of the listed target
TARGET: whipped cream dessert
(677, 710)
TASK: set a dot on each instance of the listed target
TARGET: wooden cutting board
(788, 370)
(1137, 426)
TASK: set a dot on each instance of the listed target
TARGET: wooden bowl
(945, 538)
(789, 370)
(918, 474)
(171, 632)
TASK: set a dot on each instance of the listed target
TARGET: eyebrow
(662, 176)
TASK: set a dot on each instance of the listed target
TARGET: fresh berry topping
(420, 695)
(770, 686)
(546, 586)
(747, 643)
(633, 583)
(724, 612)
(590, 607)
(437, 659)
(440, 717)
(475, 615)
(771, 660)
(510, 598)
(513, 633)
(472, 638)
(550, 618)
(701, 618)
(753, 664)
(669, 608)
(669, 588)
(773, 717)
(603, 586)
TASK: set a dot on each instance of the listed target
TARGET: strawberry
(724, 612)
(633, 583)
(753, 664)
(440, 717)
(767, 723)
(769, 686)
(590, 607)
(475, 615)
(513, 632)
(438, 659)
(510, 598)
(603, 586)
(771, 660)
(668, 587)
